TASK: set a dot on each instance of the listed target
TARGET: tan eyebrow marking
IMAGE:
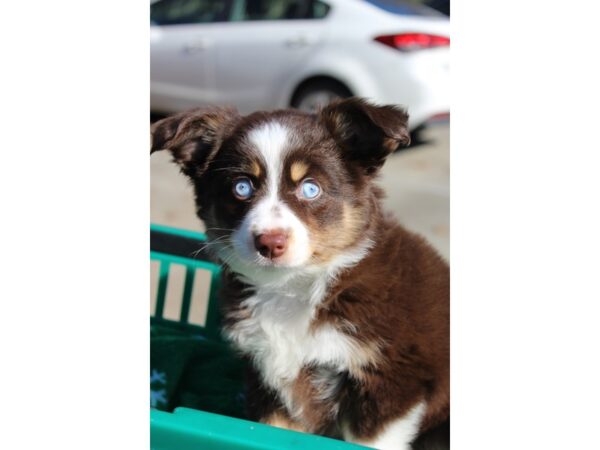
(297, 170)
(255, 169)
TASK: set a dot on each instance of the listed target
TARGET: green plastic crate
(189, 429)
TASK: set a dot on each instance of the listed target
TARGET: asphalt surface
(416, 181)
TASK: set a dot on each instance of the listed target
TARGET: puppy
(342, 312)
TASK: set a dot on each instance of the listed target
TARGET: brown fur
(393, 296)
(394, 303)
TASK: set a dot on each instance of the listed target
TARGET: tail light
(408, 42)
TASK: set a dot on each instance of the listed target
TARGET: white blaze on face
(272, 141)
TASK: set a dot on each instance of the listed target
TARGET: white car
(266, 54)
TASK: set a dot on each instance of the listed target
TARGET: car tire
(318, 94)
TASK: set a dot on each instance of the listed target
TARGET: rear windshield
(405, 9)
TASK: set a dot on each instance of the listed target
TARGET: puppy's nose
(271, 244)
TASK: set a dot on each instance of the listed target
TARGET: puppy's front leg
(263, 405)
(385, 413)
(396, 434)
(281, 419)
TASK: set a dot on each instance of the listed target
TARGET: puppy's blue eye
(242, 188)
(310, 189)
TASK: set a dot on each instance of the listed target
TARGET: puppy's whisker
(226, 254)
(204, 247)
(208, 244)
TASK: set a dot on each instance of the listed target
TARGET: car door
(182, 52)
(262, 45)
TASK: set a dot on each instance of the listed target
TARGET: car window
(178, 12)
(249, 10)
(319, 9)
(404, 8)
(442, 6)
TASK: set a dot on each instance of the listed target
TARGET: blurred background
(269, 54)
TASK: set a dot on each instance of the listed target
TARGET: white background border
(524, 205)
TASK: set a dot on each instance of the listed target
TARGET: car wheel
(318, 94)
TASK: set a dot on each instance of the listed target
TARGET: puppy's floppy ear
(366, 133)
(193, 137)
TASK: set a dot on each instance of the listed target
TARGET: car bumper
(419, 81)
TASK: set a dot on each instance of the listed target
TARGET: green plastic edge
(178, 231)
(189, 429)
(196, 263)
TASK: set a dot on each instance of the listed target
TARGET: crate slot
(174, 294)
(199, 297)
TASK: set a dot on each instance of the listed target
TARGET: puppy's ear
(366, 133)
(193, 137)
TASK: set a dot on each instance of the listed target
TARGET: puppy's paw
(280, 420)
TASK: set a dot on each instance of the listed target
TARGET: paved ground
(416, 181)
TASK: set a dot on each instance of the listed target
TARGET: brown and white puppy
(343, 313)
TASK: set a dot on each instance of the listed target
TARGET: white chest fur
(276, 331)
(278, 336)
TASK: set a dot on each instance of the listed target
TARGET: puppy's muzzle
(271, 244)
